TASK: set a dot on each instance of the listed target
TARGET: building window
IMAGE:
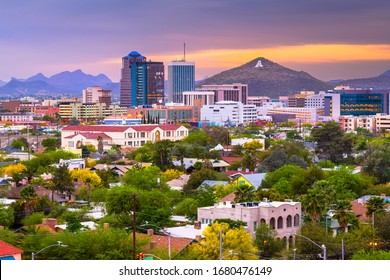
(272, 223)
(280, 222)
(142, 134)
(262, 221)
(255, 224)
(296, 220)
(71, 144)
(130, 135)
(289, 221)
(168, 134)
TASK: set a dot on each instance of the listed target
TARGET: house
(283, 216)
(248, 179)
(179, 182)
(189, 164)
(9, 252)
(212, 183)
(73, 164)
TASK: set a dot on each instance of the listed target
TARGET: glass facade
(181, 77)
(360, 104)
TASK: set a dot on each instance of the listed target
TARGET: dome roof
(134, 54)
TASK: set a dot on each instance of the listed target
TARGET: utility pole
(134, 223)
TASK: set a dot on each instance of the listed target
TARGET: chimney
(50, 222)
(197, 225)
(153, 245)
(265, 199)
(150, 232)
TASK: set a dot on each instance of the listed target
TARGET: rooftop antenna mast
(184, 52)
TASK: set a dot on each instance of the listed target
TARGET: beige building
(283, 216)
(89, 111)
(97, 94)
(382, 122)
(125, 136)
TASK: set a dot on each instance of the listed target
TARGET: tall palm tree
(244, 193)
(100, 144)
(374, 204)
(344, 214)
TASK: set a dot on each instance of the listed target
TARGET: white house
(123, 135)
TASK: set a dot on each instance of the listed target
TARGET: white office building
(229, 111)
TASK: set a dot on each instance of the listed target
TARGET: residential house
(248, 179)
(9, 252)
(189, 164)
(179, 182)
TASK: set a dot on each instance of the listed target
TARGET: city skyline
(328, 39)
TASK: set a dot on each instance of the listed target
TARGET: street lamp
(164, 232)
(59, 243)
(323, 247)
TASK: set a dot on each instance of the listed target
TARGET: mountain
(64, 82)
(2, 83)
(268, 78)
(15, 87)
(381, 81)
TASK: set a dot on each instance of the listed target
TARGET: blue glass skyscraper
(181, 77)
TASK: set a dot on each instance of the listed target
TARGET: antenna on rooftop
(184, 59)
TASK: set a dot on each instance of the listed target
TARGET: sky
(330, 39)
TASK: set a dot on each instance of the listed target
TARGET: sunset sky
(330, 39)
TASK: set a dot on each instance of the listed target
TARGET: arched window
(296, 220)
(262, 221)
(289, 221)
(280, 222)
(272, 223)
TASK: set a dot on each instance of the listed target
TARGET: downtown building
(142, 81)
(228, 92)
(181, 78)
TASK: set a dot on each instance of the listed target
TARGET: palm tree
(29, 196)
(244, 193)
(374, 204)
(344, 214)
(100, 144)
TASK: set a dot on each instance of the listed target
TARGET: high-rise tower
(142, 81)
(181, 77)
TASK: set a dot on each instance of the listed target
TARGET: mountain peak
(265, 77)
(385, 74)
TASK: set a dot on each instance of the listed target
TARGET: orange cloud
(302, 54)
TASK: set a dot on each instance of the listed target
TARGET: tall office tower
(181, 77)
(142, 82)
(229, 92)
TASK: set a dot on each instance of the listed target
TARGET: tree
(16, 172)
(236, 243)
(332, 142)
(30, 197)
(218, 134)
(375, 203)
(6, 216)
(20, 143)
(315, 203)
(244, 193)
(188, 207)
(50, 144)
(61, 181)
(100, 145)
(266, 242)
(376, 161)
(162, 154)
(197, 178)
(143, 179)
(197, 136)
(344, 214)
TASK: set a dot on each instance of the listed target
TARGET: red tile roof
(90, 135)
(228, 198)
(177, 243)
(8, 250)
(359, 209)
(230, 160)
(119, 128)
(102, 128)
